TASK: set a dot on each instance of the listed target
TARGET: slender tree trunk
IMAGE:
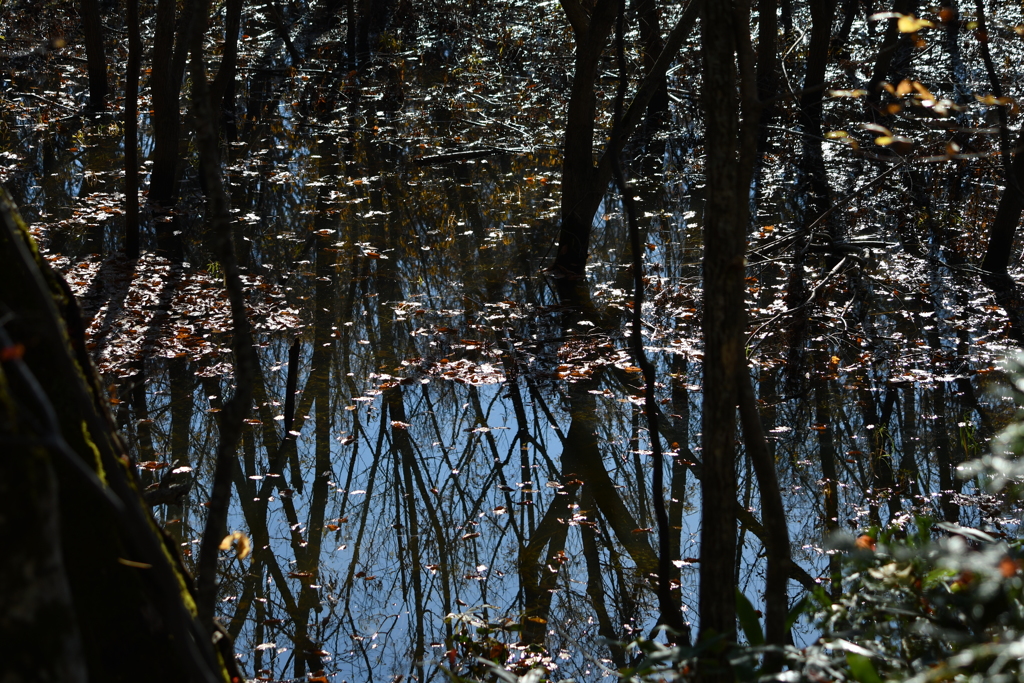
(170, 49)
(131, 134)
(822, 12)
(350, 34)
(95, 53)
(829, 476)
(581, 193)
(945, 460)
(238, 407)
(726, 218)
(1004, 226)
(767, 57)
(583, 186)
(650, 38)
(773, 515)
(668, 604)
(223, 87)
(890, 41)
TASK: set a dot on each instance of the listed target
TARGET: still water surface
(447, 437)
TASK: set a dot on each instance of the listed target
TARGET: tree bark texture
(101, 593)
(726, 215)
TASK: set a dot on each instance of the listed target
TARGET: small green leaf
(862, 668)
(748, 620)
(802, 607)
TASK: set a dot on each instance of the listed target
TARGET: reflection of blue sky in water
(428, 276)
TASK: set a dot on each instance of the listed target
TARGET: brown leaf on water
(12, 352)
(1009, 567)
(866, 542)
(243, 546)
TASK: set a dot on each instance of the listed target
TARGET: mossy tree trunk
(90, 589)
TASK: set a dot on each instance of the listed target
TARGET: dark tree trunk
(583, 185)
(890, 41)
(650, 38)
(777, 546)
(830, 477)
(581, 192)
(1004, 226)
(169, 54)
(767, 56)
(223, 87)
(131, 134)
(668, 603)
(129, 601)
(726, 217)
(236, 409)
(822, 12)
(350, 34)
(95, 53)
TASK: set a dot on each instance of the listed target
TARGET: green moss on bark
(70, 503)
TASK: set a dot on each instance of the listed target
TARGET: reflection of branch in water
(830, 478)
(435, 522)
(254, 511)
(537, 577)
(581, 460)
(404, 455)
(638, 468)
(583, 457)
(746, 518)
(357, 545)
(528, 502)
(595, 584)
(776, 542)
(432, 415)
(537, 399)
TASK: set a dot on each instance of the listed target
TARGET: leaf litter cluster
(153, 308)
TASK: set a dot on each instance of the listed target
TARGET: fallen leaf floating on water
(866, 542)
(243, 546)
(908, 23)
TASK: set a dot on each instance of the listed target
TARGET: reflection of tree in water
(368, 577)
(450, 432)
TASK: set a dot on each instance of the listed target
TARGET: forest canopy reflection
(513, 330)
